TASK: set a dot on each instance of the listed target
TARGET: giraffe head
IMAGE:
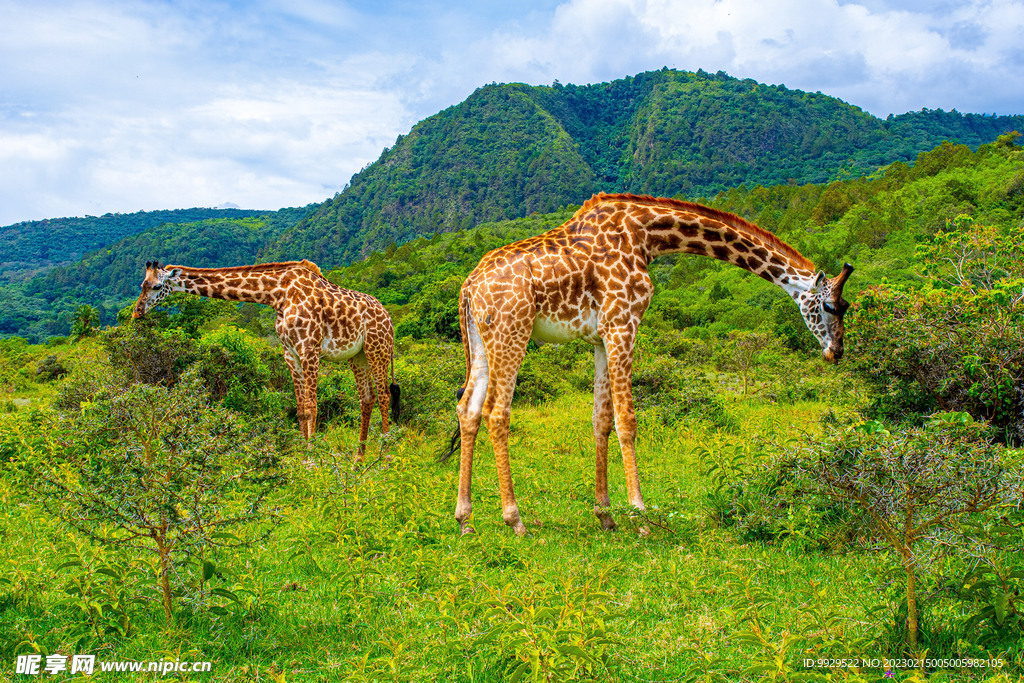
(823, 307)
(155, 287)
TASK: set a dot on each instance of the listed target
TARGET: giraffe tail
(396, 393)
(456, 441)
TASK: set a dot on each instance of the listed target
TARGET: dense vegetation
(805, 522)
(31, 246)
(46, 305)
(510, 150)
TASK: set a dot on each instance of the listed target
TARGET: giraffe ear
(820, 279)
(174, 272)
(840, 280)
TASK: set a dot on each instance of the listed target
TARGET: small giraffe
(588, 279)
(314, 318)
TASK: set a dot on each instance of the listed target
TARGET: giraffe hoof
(466, 530)
(607, 521)
(644, 531)
(520, 529)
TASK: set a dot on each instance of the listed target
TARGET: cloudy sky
(121, 105)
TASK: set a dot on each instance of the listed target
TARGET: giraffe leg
(299, 383)
(498, 407)
(378, 359)
(603, 416)
(364, 389)
(470, 411)
(620, 368)
(310, 372)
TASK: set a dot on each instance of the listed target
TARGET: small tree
(913, 483)
(86, 319)
(958, 342)
(156, 470)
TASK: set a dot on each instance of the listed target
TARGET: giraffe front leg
(310, 372)
(603, 417)
(620, 368)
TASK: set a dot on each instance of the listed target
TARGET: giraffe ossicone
(315, 318)
(588, 279)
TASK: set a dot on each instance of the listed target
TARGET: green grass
(367, 577)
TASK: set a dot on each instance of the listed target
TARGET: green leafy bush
(958, 342)
(914, 484)
(244, 372)
(140, 351)
(675, 391)
(154, 470)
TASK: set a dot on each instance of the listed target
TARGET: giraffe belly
(338, 350)
(553, 331)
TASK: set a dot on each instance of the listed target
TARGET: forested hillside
(106, 278)
(510, 150)
(31, 245)
(873, 222)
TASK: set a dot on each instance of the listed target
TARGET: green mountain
(874, 222)
(107, 278)
(30, 246)
(510, 150)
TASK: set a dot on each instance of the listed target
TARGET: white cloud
(127, 104)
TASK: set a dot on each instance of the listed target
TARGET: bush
(674, 392)
(140, 351)
(243, 372)
(153, 470)
(958, 342)
(913, 483)
(50, 369)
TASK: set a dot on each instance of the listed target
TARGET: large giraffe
(314, 318)
(588, 279)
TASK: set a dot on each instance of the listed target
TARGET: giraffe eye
(829, 308)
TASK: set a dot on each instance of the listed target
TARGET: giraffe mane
(278, 265)
(730, 219)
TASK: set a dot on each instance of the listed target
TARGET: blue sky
(124, 105)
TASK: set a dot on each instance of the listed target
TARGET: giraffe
(588, 279)
(314, 318)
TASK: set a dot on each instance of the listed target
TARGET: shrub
(958, 342)
(51, 368)
(243, 372)
(140, 351)
(675, 392)
(155, 470)
(912, 483)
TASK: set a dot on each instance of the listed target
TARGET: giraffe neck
(245, 284)
(669, 227)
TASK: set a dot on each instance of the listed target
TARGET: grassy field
(366, 577)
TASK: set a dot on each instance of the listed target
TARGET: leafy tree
(913, 483)
(958, 343)
(85, 322)
(156, 471)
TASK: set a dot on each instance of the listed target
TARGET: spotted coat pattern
(315, 319)
(588, 279)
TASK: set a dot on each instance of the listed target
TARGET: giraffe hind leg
(498, 408)
(378, 373)
(470, 412)
(364, 389)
